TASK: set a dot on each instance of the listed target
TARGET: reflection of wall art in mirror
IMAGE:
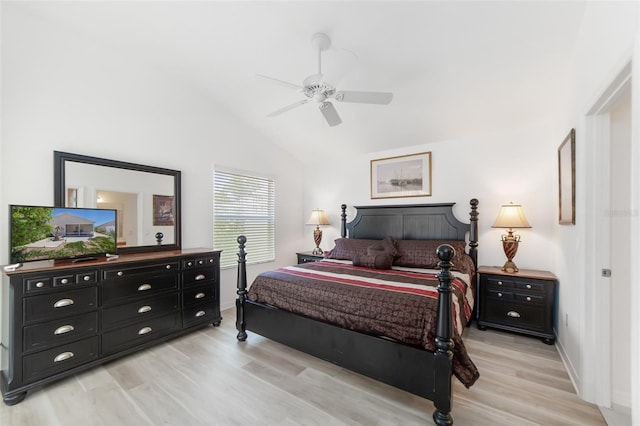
(128, 188)
(163, 210)
(402, 176)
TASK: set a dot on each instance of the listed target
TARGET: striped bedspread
(400, 303)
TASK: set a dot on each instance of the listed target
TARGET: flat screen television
(55, 233)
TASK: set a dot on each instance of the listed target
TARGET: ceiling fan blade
(288, 107)
(382, 98)
(330, 114)
(282, 83)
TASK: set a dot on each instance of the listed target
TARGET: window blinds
(244, 205)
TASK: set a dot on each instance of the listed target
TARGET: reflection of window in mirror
(72, 197)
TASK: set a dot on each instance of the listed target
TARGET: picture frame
(567, 180)
(401, 176)
(163, 210)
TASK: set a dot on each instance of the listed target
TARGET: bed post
(443, 358)
(343, 221)
(473, 231)
(242, 289)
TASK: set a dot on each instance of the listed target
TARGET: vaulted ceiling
(456, 69)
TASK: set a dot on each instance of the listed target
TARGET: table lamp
(511, 216)
(317, 218)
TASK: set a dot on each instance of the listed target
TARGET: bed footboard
(429, 374)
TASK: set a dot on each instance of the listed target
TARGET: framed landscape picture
(567, 179)
(402, 176)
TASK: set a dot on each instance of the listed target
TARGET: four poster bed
(381, 303)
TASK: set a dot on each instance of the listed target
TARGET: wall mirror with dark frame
(146, 198)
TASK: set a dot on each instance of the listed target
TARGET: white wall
(516, 165)
(64, 91)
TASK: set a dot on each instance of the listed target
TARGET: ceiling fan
(317, 90)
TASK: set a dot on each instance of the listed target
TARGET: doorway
(609, 128)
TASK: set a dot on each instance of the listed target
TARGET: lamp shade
(318, 218)
(511, 216)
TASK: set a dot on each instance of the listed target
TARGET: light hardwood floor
(207, 378)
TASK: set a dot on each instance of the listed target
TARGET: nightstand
(307, 256)
(522, 302)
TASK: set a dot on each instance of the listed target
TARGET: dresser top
(50, 265)
(525, 273)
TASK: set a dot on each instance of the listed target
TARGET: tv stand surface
(60, 319)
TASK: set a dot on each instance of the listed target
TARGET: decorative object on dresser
(401, 176)
(522, 302)
(318, 217)
(424, 369)
(567, 180)
(308, 256)
(65, 318)
(510, 216)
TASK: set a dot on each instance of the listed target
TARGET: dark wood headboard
(413, 222)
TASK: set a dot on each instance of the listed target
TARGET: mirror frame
(59, 162)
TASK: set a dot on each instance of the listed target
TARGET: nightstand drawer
(499, 282)
(498, 294)
(518, 315)
(529, 298)
(530, 285)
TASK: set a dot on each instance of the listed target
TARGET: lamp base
(510, 267)
(317, 251)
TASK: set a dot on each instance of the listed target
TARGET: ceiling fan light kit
(319, 91)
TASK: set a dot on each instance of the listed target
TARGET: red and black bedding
(382, 288)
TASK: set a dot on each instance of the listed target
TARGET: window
(244, 205)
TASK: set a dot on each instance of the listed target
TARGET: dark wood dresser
(64, 318)
(522, 302)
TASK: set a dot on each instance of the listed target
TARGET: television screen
(45, 233)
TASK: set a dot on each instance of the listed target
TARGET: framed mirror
(146, 198)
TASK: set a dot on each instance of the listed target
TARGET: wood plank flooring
(207, 378)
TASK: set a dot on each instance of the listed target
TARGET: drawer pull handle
(144, 330)
(63, 329)
(120, 273)
(513, 314)
(189, 263)
(63, 356)
(143, 309)
(87, 278)
(39, 284)
(499, 294)
(528, 299)
(200, 313)
(529, 286)
(200, 277)
(200, 262)
(144, 287)
(200, 295)
(62, 303)
(64, 281)
(168, 267)
(499, 282)
(210, 260)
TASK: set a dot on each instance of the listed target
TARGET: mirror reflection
(144, 197)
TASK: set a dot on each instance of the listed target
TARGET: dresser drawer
(59, 331)
(153, 269)
(499, 282)
(200, 262)
(500, 294)
(37, 284)
(200, 314)
(58, 359)
(140, 310)
(139, 333)
(115, 290)
(197, 276)
(59, 304)
(198, 295)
